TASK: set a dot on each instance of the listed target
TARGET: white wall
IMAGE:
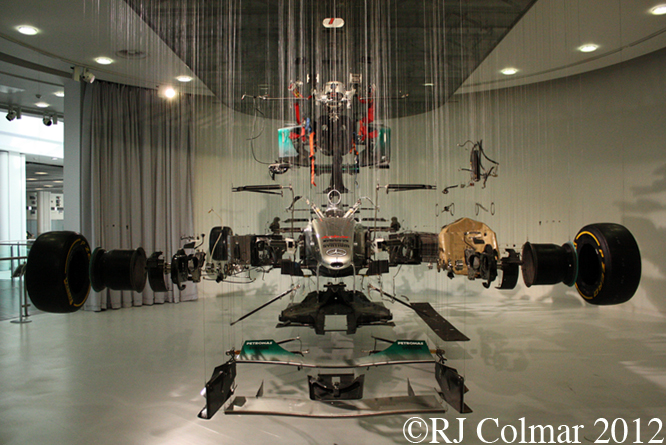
(578, 150)
(584, 149)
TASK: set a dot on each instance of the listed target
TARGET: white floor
(133, 376)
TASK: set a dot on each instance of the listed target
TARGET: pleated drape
(141, 156)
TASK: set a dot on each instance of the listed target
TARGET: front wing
(334, 395)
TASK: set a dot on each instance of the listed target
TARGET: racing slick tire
(56, 274)
(609, 264)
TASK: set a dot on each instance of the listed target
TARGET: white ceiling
(74, 33)
(542, 45)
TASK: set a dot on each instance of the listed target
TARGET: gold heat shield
(458, 236)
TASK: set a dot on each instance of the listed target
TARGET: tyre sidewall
(57, 278)
(609, 264)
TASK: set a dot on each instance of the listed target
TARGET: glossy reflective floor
(133, 376)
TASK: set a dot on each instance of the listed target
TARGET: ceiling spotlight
(170, 93)
(104, 61)
(59, 94)
(588, 48)
(13, 113)
(27, 30)
(658, 10)
(184, 79)
(509, 71)
(42, 105)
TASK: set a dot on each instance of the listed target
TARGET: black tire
(56, 274)
(609, 264)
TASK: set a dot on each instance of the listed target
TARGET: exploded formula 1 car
(603, 262)
(330, 246)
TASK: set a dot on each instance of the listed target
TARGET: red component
(312, 160)
(369, 118)
(297, 109)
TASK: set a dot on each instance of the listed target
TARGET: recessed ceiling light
(30, 179)
(428, 84)
(48, 185)
(104, 61)
(42, 104)
(588, 48)
(59, 94)
(58, 181)
(184, 79)
(27, 30)
(658, 10)
(41, 173)
(509, 71)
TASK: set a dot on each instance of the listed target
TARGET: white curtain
(141, 156)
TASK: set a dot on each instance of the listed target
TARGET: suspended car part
(179, 269)
(186, 267)
(157, 272)
(549, 264)
(468, 247)
(510, 270)
(335, 300)
(336, 386)
(56, 274)
(218, 243)
(118, 269)
(333, 395)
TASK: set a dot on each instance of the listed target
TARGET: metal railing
(17, 269)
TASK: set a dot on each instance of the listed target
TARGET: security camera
(47, 121)
(87, 76)
(81, 73)
(13, 113)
